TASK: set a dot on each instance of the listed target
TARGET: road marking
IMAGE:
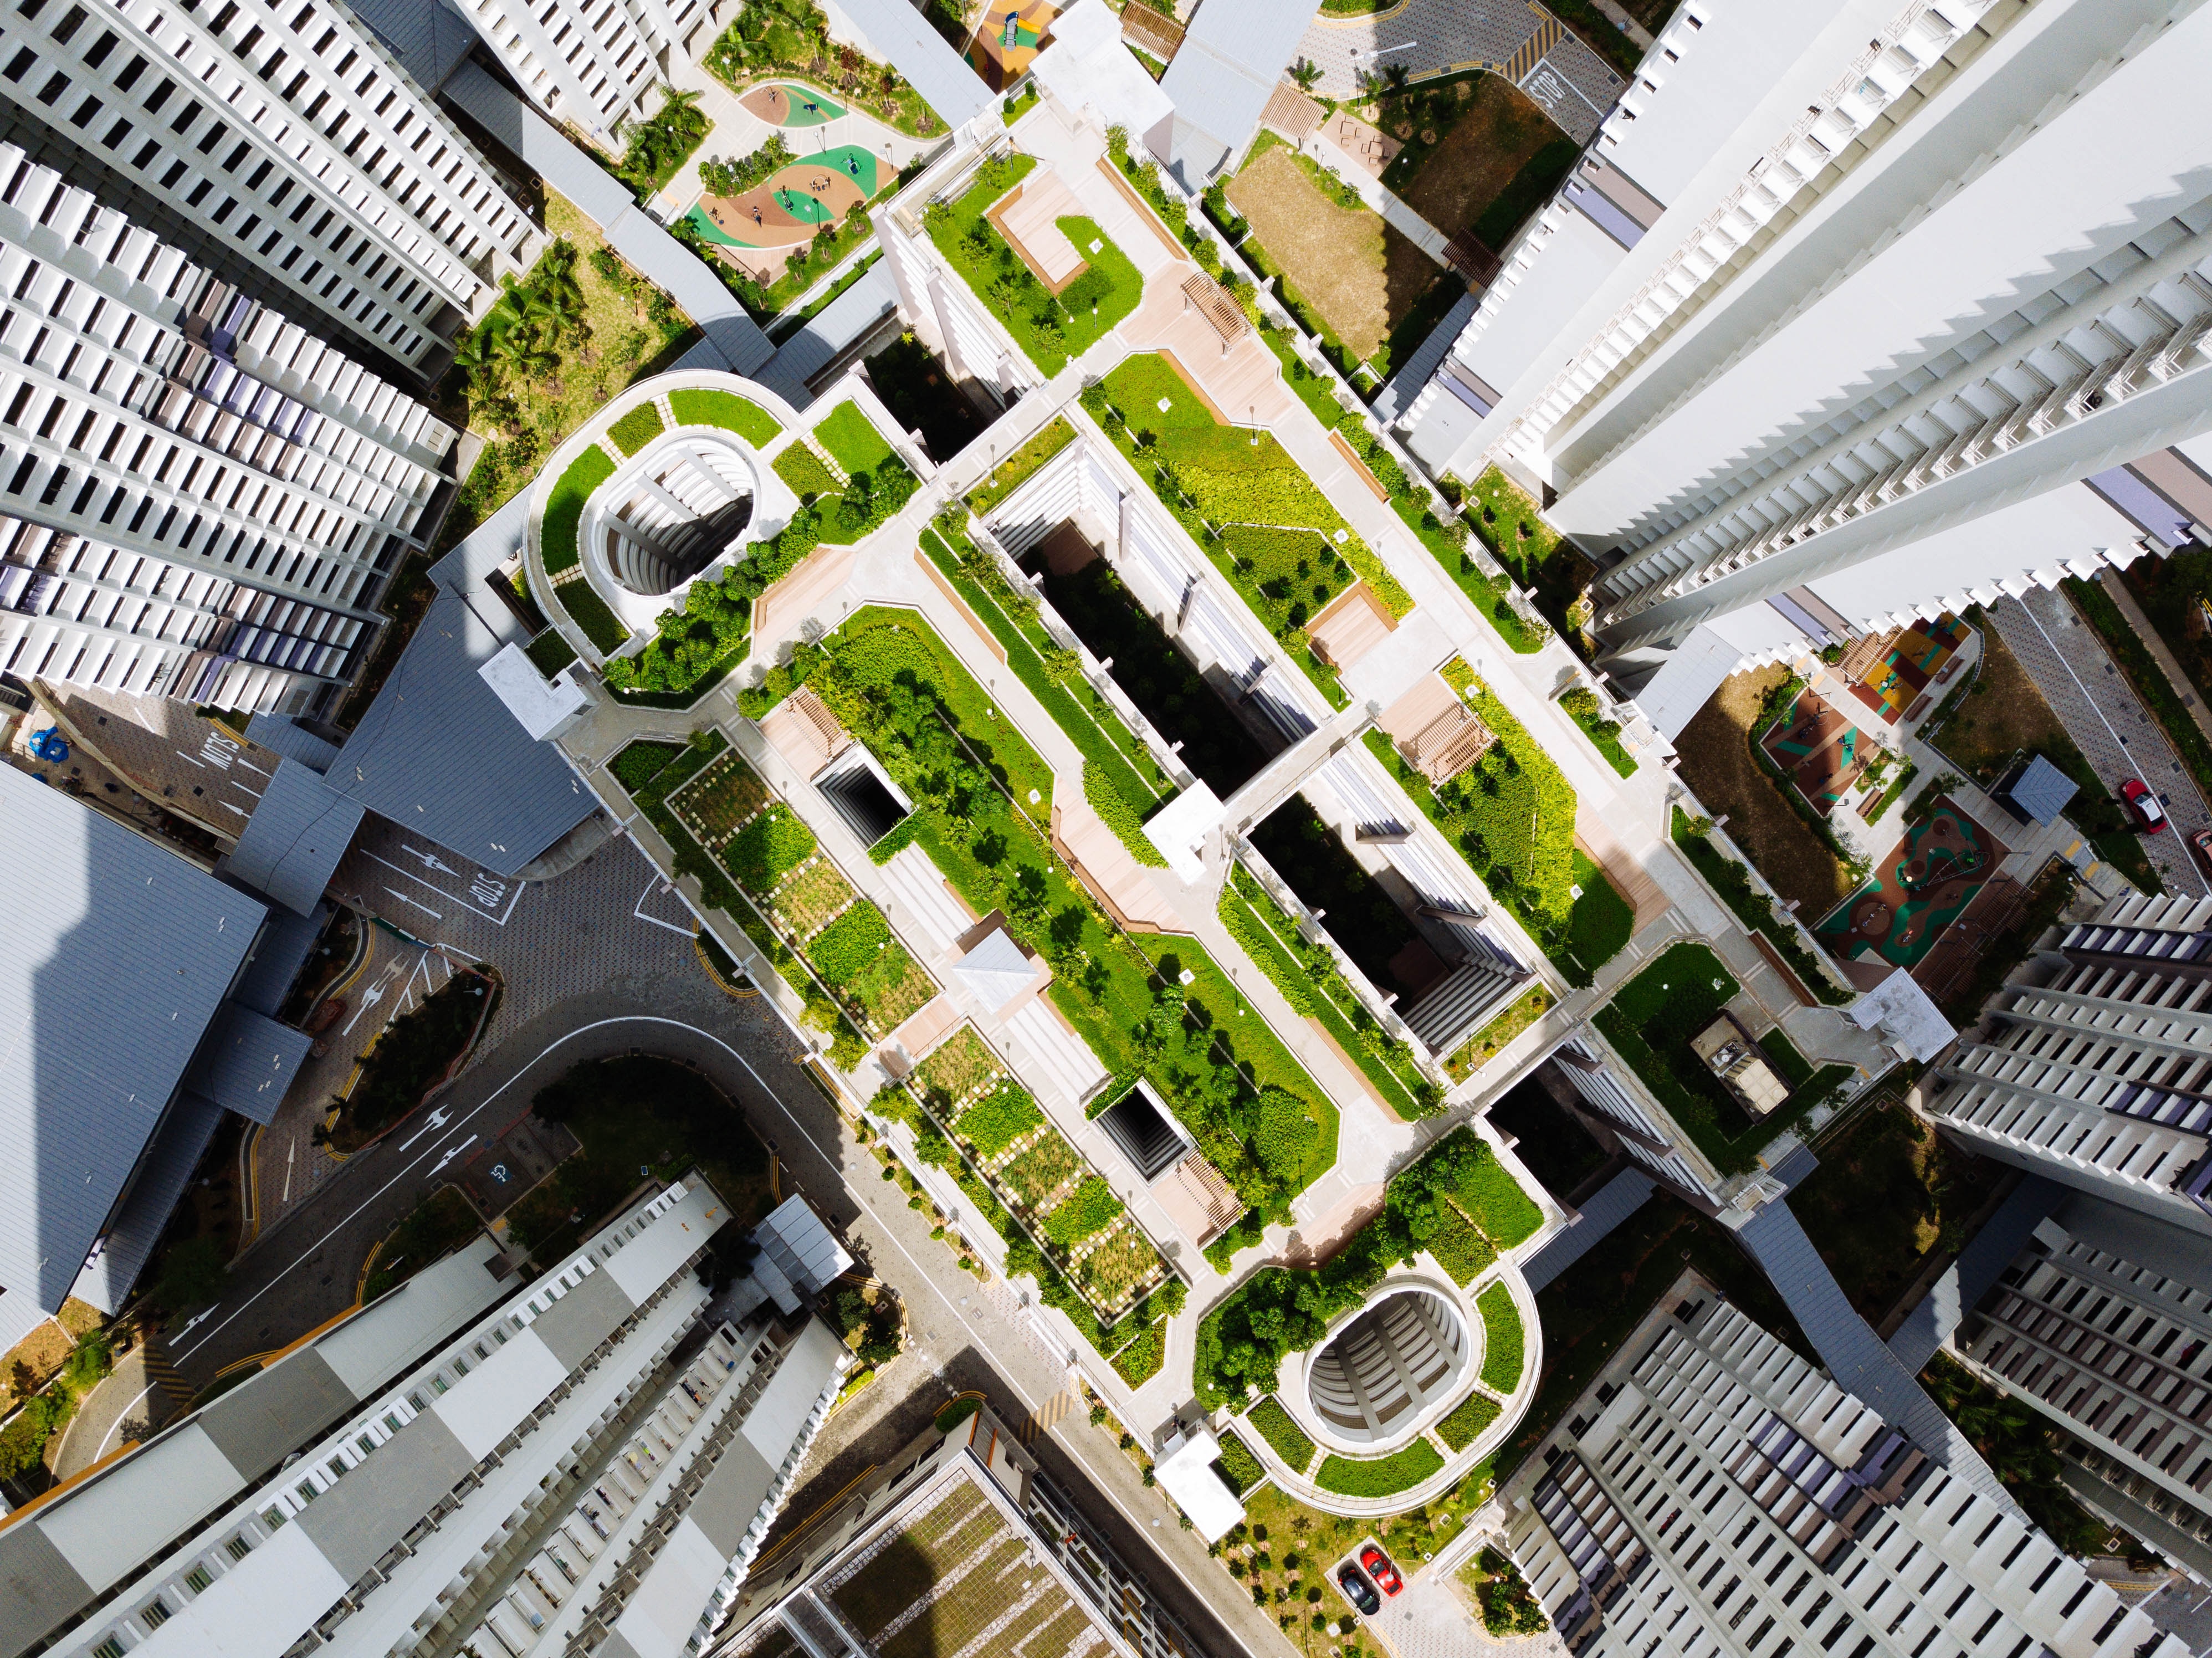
(484, 890)
(437, 1120)
(369, 999)
(100, 1449)
(435, 914)
(638, 910)
(291, 1151)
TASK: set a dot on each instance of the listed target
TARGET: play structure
(786, 104)
(774, 218)
(1922, 887)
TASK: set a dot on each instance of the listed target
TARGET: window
(111, 1647)
(155, 1613)
(238, 1548)
(272, 1518)
(366, 1443)
(306, 1491)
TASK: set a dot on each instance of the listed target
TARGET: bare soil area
(1360, 274)
(1500, 129)
(1716, 764)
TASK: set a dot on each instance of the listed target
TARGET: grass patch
(564, 507)
(1465, 1424)
(1380, 1476)
(1016, 469)
(1282, 1433)
(1752, 907)
(1491, 1040)
(1601, 922)
(1649, 1023)
(727, 410)
(852, 438)
(998, 1119)
(807, 472)
(637, 429)
(1239, 1469)
(1502, 1338)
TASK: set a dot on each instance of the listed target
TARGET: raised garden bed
(1009, 475)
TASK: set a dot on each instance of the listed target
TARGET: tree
(192, 1274)
(1306, 73)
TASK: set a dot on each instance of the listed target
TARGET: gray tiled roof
(896, 30)
(1614, 1203)
(144, 1215)
(439, 753)
(427, 37)
(1967, 1279)
(1228, 66)
(248, 1061)
(281, 734)
(114, 954)
(2042, 790)
(278, 958)
(294, 840)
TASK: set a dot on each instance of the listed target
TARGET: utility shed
(115, 955)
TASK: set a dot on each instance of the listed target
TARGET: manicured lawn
(1649, 1023)
(564, 507)
(1601, 922)
(1049, 330)
(1501, 1349)
(1380, 1476)
(852, 441)
(636, 428)
(727, 410)
(1283, 1435)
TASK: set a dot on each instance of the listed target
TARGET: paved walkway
(2101, 713)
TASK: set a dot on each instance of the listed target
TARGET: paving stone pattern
(2106, 721)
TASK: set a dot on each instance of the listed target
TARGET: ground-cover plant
(1090, 1208)
(1311, 982)
(636, 428)
(1490, 1041)
(1239, 1469)
(1284, 1435)
(768, 848)
(983, 802)
(808, 899)
(1121, 781)
(720, 797)
(564, 507)
(1464, 1426)
(641, 762)
(1380, 1476)
(1280, 1310)
(695, 407)
(1649, 1023)
(998, 1119)
(1009, 475)
(847, 1045)
(46, 1412)
(1462, 1251)
(1511, 815)
(807, 472)
(1581, 706)
(1502, 1338)
(1754, 908)
(1049, 328)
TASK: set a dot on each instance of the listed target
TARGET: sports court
(1921, 888)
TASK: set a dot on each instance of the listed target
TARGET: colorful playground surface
(1921, 889)
(1918, 657)
(788, 209)
(1007, 39)
(1823, 752)
(786, 104)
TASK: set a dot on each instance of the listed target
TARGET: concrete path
(2108, 723)
(139, 1395)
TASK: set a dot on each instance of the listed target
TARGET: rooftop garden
(1016, 469)
(1310, 981)
(1256, 515)
(1121, 781)
(1511, 816)
(1068, 1211)
(771, 39)
(1754, 908)
(1650, 1023)
(1458, 1195)
(776, 850)
(1051, 327)
(983, 805)
(655, 149)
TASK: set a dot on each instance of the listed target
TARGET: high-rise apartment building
(2103, 1323)
(588, 1465)
(597, 67)
(1855, 311)
(1713, 1493)
(198, 497)
(2093, 1063)
(280, 147)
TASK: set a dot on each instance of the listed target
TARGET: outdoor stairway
(914, 881)
(1054, 1052)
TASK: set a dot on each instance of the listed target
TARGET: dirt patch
(1335, 256)
(1716, 764)
(1498, 131)
(2004, 714)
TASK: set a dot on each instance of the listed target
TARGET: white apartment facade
(198, 498)
(280, 146)
(596, 64)
(1713, 1493)
(2093, 1065)
(1842, 313)
(589, 1466)
(2103, 1322)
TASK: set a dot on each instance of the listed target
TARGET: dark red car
(2143, 806)
(2202, 841)
(1380, 1568)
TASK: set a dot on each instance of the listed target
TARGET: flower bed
(1380, 1476)
(1121, 781)
(1649, 1023)
(1311, 982)
(1016, 469)
(726, 410)
(1050, 329)
(1281, 1309)
(983, 801)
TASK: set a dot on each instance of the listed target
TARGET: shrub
(767, 848)
(636, 428)
(1284, 1435)
(998, 1119)
(805, 472)
(1380, 1476)
(848, 946)
(641, 762)
(1465, 1424)
(1501, 1338)
(1093, 1208)
(1239, 1469)
(1140, 1360)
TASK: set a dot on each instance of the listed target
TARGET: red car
(2143, 806)
(1380, 1568)
(2202, 841)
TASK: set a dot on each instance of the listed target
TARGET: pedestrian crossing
(164, 1377)
(1041, 1421)
(1531, 52)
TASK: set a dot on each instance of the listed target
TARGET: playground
(1920, 889)
(1896, 682)
(1821, 749)
(784, 104)
(1006, 40)
(759, 228)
